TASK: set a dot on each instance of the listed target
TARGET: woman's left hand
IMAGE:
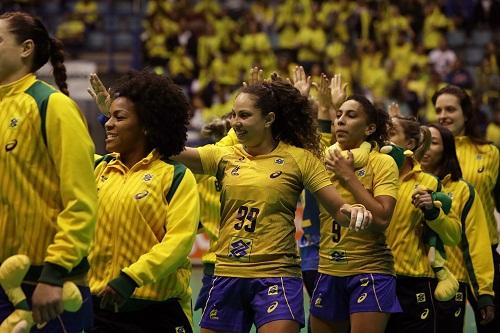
(342, 167)
(360, 217)
(301, 81)
(422, 200)
(111, 299)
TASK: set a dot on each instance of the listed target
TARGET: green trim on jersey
(179, 171)
(465, 242)
(41, 92)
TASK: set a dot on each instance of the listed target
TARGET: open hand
(101, 96)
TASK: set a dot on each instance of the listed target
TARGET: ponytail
(424, 143)
(57, 61)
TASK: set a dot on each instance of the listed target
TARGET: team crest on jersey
(459, 297)
(240, 248)
(275, 174)
(10, 145)
(241, 158)
(147, 177)
(450, 195)
(339, 256)
(13, 122)
(479, 157)
(141, 195)
(361, 172)
(273, 290)
(234, 172)
(104, 178)
(180, 329)
(279, 161)
(420, 297)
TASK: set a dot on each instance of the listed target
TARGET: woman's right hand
(360, 217)
(101, 96)
(338, 91)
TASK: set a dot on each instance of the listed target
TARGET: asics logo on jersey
(481, 169)
(141, 195)
(239, 248)
(457, 313)
(459, 297)
(13, 122)
(10, 145)
(275, 174)
(424, 314)
(420, 297)
(279, 161)
(273, 290)
(362, 297)
(234, 172)
(272, 307)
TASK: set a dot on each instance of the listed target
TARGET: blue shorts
(335, 298)
(71, 322)
(201, 301)
(235, 303)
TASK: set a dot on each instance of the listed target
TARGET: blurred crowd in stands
(392, 51)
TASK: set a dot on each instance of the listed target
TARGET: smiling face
(450, 113)
(351, 125)
(124, 132)
(251, 127)
(432, 157)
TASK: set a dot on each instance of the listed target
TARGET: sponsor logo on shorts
(424, 314)
(457, 313)
(459, 297)
(141, 195)
(362, 297)
(420, 297)
(364, 282)
(239, 248)
(147, 177)
(180, 329)
(273, 290)
(317, 302)
(279, 161)
(213, 314)
(272, 307)
(339, 256)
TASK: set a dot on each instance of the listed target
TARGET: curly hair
(24, 26)
(472, 127)
(294, 123)
(162, 108)
(375, 115)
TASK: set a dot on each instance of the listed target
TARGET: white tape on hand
(359, 220)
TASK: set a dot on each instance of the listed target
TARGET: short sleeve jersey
(258, 199)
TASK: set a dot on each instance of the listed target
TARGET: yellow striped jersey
(259, 196)
(404, 234)
(480, 165)
(147, 222)
(470, 261)
(346, 252)
(48, 195)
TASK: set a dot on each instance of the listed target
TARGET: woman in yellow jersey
(414, 213)
(480, 162)
(148, 211)
(356, 288)
(471, 260)
(257, 271)
(48, 195)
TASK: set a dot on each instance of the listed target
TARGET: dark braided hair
(24, 26)
(294, 123)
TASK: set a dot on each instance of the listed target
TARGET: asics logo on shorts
(457, 313)
(362, 297)
(424, 314)
(272, 307)
(273, 290)
(420, 297)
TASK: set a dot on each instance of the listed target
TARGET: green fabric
(325, 126)
(41, 91)
(53, 274)
(179, 171)
(123, 285)
(444, 199)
